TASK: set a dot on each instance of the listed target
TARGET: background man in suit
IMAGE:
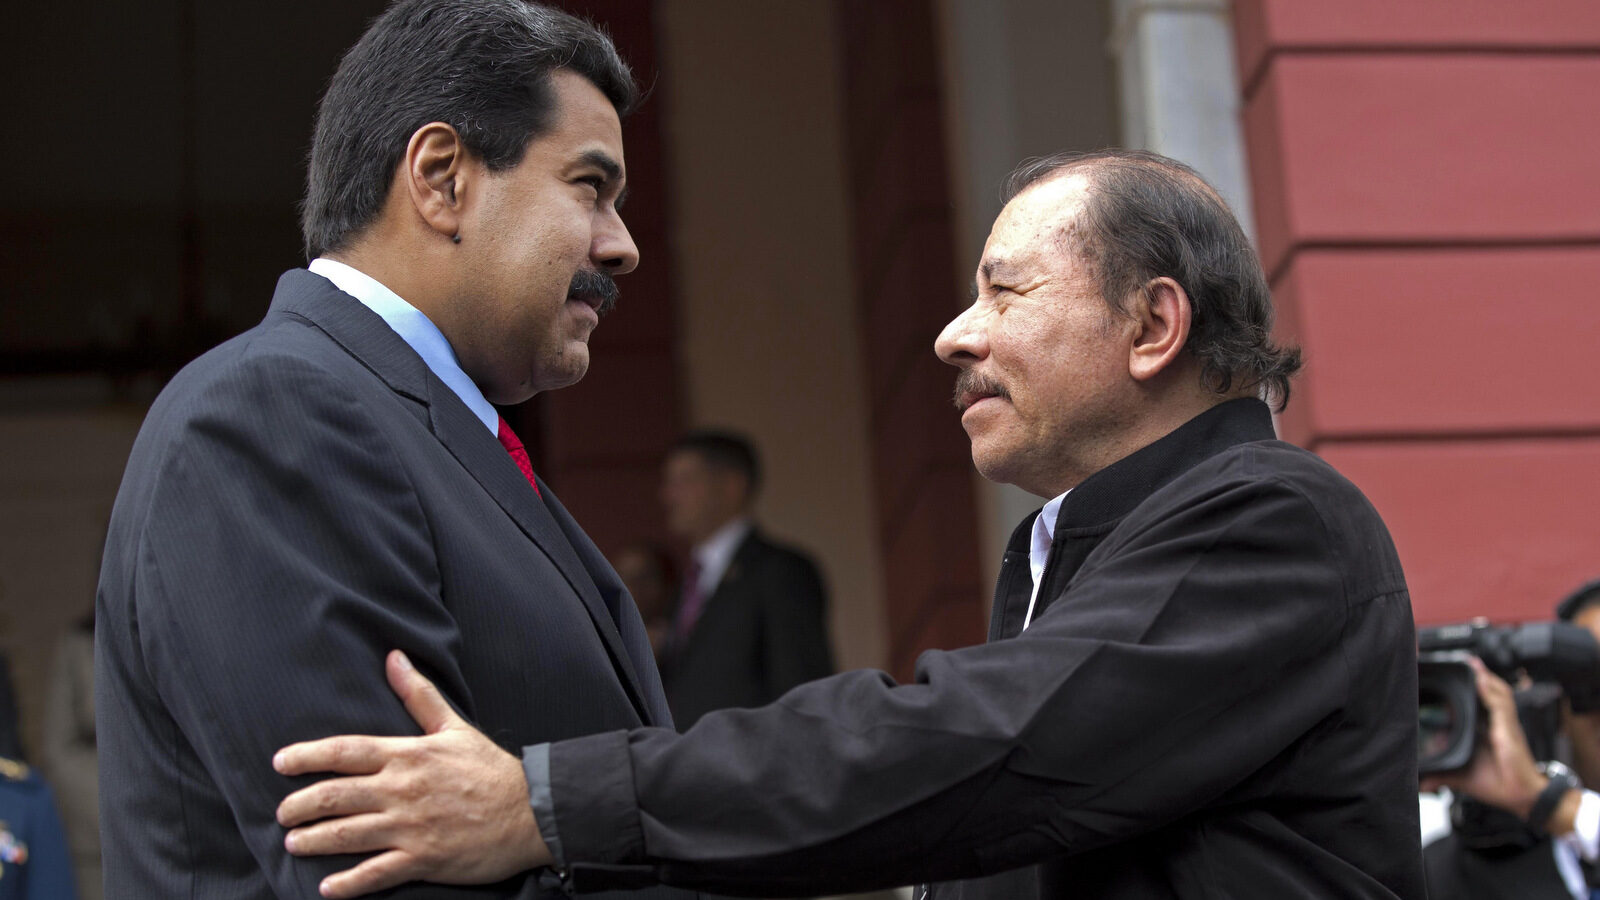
(1201, 674)
(335, 482)
(751, 621)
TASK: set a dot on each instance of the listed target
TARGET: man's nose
(964, 341)
(614, 251)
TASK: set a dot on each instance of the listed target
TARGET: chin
(989, 466)
(571, 371)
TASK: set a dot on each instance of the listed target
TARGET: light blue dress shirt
(415, 329)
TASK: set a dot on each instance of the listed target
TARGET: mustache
(970, 382)
(593, 283)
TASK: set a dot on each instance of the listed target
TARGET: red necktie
(690, 602)
(513, 445)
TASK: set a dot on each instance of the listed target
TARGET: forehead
(582, 120)
(1034, 223)
(685, 460)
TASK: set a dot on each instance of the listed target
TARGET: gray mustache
(589, 283)
(970, 382)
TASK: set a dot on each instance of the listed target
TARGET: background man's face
(1045, 385)
(1589, 617)
(518, 327)
(699, 498)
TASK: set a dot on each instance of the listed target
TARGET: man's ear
(435, 172)
(1161, 309)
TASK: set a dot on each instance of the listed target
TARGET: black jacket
(1217, 699)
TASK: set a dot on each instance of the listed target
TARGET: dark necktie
(513, 445)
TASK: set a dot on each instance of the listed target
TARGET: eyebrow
(1002, 267)
(602, 161)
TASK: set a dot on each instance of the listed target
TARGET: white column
(1180, 89)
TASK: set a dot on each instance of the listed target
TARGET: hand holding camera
(1502, 771)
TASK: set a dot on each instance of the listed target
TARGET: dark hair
(1587, 595)
(725, 450)
(1147, 216)
(481, 66)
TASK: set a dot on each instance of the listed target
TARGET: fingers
(351, 834)
(1492, 689)
(334, 797)
(382, 871)
(345, 755)
(426, 705)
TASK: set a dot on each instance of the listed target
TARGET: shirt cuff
(536, 768)
(1585, 834)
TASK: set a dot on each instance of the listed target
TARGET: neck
(408, 271)
(1149, 422)
(711, 532)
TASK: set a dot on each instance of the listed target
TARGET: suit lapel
(485, 460)
(606, 583)
(368, 338)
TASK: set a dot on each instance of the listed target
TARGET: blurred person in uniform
(68, 752)
(751, 620)
(34, 861)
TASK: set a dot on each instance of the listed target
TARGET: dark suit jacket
(1216, 699)
(761, 632)
(301, 500)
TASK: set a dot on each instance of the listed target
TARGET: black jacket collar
(1113, 492)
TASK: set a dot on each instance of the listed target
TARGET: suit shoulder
(778, 554)
(284, 360)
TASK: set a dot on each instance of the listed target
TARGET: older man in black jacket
(1200, 680)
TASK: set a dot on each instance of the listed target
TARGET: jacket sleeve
(1192, 648)
(285, 553)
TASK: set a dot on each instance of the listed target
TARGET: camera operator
(1582, 608)
(1503, 774)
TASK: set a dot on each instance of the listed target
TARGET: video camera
(1562, 659)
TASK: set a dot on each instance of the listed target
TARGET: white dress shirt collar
(715, 553)
(1044, 534)
(415, 329)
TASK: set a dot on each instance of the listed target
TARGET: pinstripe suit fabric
(300, 500)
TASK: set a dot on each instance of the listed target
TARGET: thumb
(426, 705)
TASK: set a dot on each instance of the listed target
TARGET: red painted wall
(903, 237)
(599, 443)
(1427, 197)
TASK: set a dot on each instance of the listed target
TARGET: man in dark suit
(751, 621)
(335, 482)
(1201, 674)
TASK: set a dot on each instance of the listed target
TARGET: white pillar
(1180, 89)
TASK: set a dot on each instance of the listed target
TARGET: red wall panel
(903, 236)
(599, 443)
(1485, 528)
(1466, 340)
(1422, 148)
(1267, 26)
